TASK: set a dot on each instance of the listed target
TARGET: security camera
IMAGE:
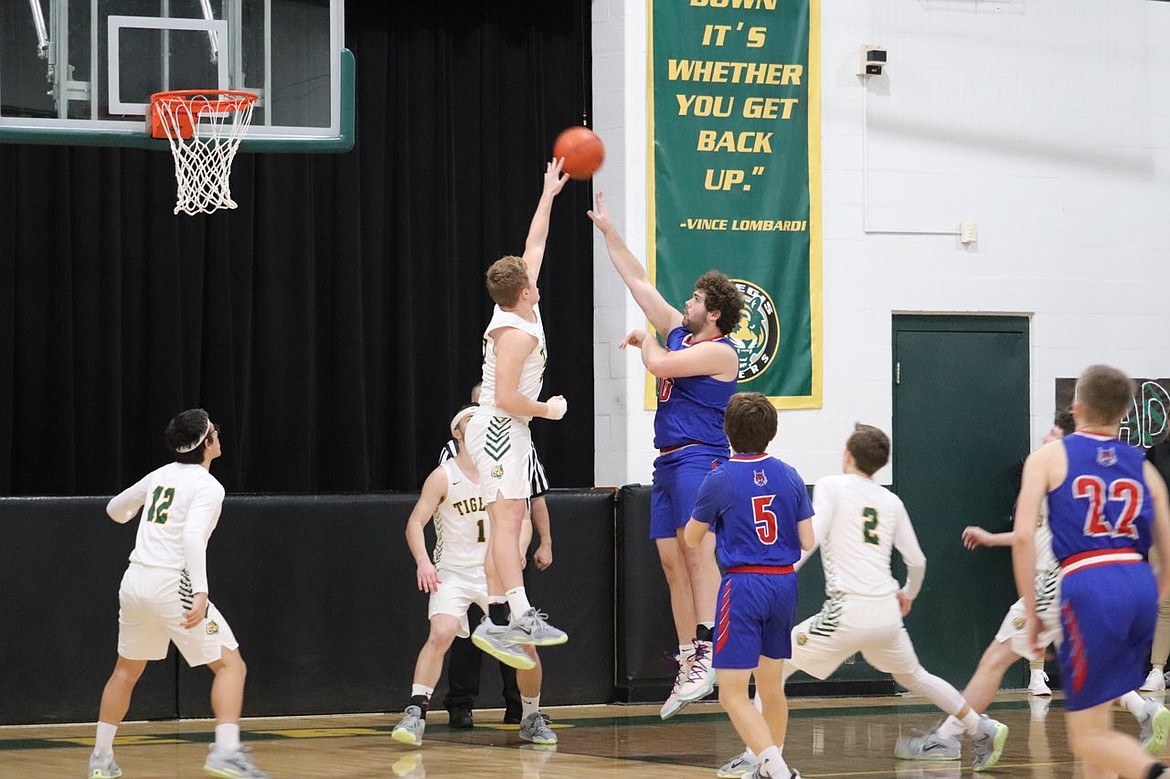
(872, 60)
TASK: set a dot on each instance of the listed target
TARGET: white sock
(227, 737)
(529, 706)
(104, 743)
(1157, 668)
(1135, 703)
(758, 702)
(518, 601)
(951, 728)
(774, 765)
(971, 721)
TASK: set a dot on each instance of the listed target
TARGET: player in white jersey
(164, 596)
(857, 524)
(498, 437)
(465, 659)
(455, 576)
(1011, 642)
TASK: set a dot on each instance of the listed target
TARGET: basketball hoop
(204, 128)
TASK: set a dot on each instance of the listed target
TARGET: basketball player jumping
(697, 373)
(498, 437)
(456, 579)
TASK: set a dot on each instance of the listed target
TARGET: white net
(214, 123)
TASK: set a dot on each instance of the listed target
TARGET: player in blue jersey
(696, 372)
(762, 518)
(1106, 505)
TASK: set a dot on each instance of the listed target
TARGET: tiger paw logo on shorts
(212, 627)
(801, 638)
(757, 337)
(1019, 622)
(497, 471)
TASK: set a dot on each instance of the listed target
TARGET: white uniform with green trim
(498, 442)
(462, 534)
(180, 506)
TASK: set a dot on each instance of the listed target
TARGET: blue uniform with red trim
(753, 504)
(1100, 518)
(688, 431)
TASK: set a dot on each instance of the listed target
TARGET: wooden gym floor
(851, 737)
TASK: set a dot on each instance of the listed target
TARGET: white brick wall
(1046, 122)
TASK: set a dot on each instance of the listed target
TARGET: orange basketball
(583, 152)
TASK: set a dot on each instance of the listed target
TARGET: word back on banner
(735, 176)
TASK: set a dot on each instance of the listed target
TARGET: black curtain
(332, 323)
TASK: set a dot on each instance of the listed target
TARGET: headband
(196, 445)
(463, 414)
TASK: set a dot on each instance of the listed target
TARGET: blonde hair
(1104, 393)
(506, 279)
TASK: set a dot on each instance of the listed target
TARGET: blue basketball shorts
(1107, 615)
(754, 617)
(677, 476)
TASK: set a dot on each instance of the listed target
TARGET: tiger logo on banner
(758, 335)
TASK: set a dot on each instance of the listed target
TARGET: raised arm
(126, 504)
(663, 316)
(554, 182)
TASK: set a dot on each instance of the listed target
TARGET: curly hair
(719, 294)
(506, 279)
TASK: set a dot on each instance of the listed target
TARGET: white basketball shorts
(1014, 625)
(846, 625)
(151, 614)
(458, 589)
(500, 445)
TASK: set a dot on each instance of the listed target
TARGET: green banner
(735, 176)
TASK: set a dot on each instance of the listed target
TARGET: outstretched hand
(600, 215)
(554, 180)
(974, 536)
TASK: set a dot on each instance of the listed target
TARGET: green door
(960, 422)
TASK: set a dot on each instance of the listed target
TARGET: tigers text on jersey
(532, 371)
(753, 503)
(462, 528)
(858, 522)
(178, 499)
(1103, 502)
(690, 408)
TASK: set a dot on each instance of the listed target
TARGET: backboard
(82, 72)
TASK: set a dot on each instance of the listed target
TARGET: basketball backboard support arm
(42, 31)
(212, 38)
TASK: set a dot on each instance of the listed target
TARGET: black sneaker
(460, 718)
(512, 716)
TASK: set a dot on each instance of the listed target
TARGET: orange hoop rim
(224, 99)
